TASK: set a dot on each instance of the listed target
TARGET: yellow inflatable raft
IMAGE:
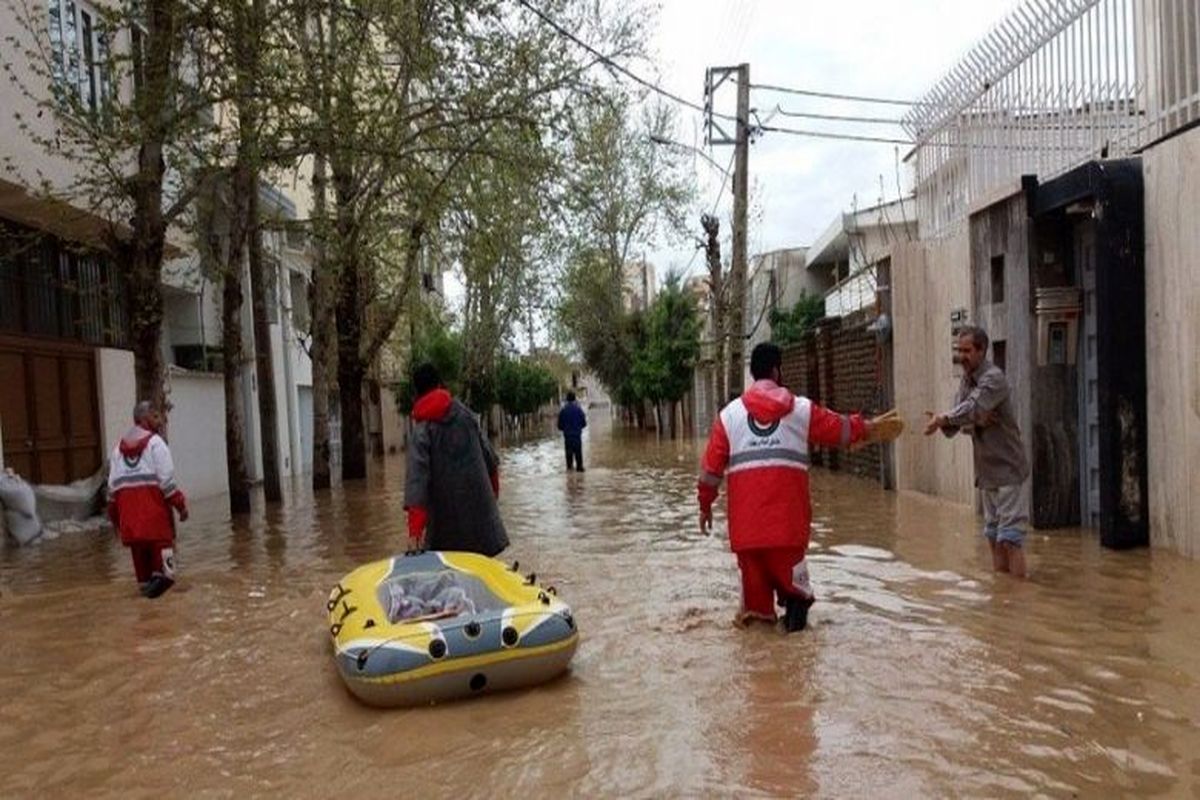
(433, 626)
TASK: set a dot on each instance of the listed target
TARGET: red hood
(767, 401)
(432, 406)
(134, 441)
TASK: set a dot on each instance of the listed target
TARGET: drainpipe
(284, 282)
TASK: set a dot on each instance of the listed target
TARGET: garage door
(48, 410)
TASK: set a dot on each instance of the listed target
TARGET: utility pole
(736, 310)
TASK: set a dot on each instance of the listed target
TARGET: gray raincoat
(451, 469)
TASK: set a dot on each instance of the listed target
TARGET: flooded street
(922, 674)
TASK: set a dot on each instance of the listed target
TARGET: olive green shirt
(999, 452)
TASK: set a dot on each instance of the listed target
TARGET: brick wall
(839, 365)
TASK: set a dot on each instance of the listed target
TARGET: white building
(68, 375)
(848, 256)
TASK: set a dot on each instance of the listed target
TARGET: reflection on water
(922, 673)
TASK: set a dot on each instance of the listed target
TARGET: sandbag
(20, 508)
(73, 502)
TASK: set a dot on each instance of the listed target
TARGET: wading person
(982, 406)
(143, 498)
(761, 440)
(572, 421)
(453, 476)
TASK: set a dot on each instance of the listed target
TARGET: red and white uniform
(141, 496)
(761, 442)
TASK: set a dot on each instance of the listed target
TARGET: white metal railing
(1055, 84)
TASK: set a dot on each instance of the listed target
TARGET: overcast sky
(879, 48)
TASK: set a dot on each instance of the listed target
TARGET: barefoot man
(983, 407)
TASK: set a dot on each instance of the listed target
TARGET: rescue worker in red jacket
(142, 498)
(761, 440)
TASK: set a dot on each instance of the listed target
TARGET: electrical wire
(830, 95)
(836, 117)
(849, 137)
(619, 68)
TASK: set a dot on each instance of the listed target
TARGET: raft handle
(531, 579)
(552, 590)
(516, 566)
(544, 598)
(361, 659)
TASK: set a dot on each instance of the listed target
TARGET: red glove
(495, 476)
(707, 495)
(417, 517)
(179, 503)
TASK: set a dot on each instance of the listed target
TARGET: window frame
(81, 46)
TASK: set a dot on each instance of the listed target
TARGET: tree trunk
(350, 307)
(231, 336)
(320, 294)
(264, 363)
(231, 346)
(144, 250)
(146, 315)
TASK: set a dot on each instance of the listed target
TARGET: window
(300, 312)
(51, 288)
(998, 279)
(1000, 354)
(80, 48)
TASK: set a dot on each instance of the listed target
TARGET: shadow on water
(923, 674)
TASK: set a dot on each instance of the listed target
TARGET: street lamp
(656, 139)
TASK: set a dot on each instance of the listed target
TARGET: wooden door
(48, 410)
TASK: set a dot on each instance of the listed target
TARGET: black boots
(795, 615)
(157, 585)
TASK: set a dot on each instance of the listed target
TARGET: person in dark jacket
(453, 477)
(572, 421)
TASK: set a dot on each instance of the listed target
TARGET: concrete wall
(1172, 196)
(929, 280)
(117, 389)
(197, 432)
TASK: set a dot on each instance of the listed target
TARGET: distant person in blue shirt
(572, 421)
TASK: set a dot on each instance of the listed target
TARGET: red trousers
(150, 558)
(771, 572)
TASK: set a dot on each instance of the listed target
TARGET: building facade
(1049, 193)
(68, 386)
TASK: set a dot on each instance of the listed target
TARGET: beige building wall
(1172, 192)
(929, 280)
(118, 394)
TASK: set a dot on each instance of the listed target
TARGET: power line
(836, 117)
(829, 95)
(841, 136)
(619, 68)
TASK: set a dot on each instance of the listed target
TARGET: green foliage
(623, 191)
(443, 348)
(664, 360)
(523, 387)
(789, 327)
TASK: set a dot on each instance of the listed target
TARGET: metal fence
(1055, 84)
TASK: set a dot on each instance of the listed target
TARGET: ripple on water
(922, 673)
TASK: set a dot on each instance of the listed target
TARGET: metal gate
(1089, 405)
(48, 409)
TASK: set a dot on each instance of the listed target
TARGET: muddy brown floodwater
(921, 675)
